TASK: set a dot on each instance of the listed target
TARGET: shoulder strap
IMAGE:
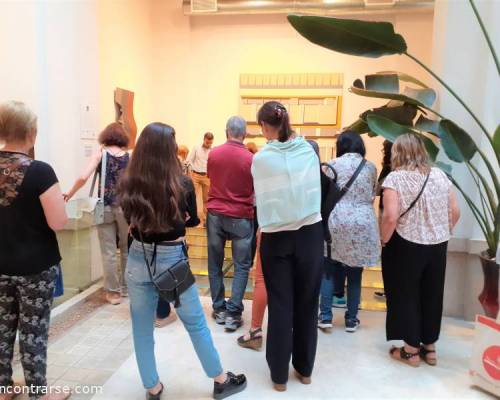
(354, 176)
(103, 176)
(418, 196)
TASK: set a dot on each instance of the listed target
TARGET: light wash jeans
(143, 303)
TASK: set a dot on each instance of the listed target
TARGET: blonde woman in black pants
(288, 192)
(420, 211)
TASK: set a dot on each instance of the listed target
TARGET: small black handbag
(172, 282)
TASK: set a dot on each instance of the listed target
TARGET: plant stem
(483, 28)
(430, 71)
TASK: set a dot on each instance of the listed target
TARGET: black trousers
(292, 263)
(414, 284)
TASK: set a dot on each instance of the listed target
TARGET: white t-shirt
(428, 222)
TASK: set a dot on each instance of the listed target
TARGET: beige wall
(197, 62)
(125, 56)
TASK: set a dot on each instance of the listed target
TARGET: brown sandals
(424, 355)
(411, 359)
(254, 342)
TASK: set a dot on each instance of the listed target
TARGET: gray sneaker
(219, 316)
(233, 322)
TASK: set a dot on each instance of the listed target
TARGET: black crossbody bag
(172, 282)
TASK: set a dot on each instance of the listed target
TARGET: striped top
(287, 185)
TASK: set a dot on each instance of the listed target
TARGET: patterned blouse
(353, 224)
(115, 165)
(428, 222)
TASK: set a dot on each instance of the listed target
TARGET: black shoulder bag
(333, 193)
(172, 282)
(416, 198)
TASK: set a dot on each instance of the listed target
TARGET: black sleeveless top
(27, 244)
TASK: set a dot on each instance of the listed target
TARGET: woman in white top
(420, 211)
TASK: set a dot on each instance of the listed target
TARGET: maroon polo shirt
(231, 184)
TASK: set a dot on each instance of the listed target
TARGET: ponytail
(275, 114)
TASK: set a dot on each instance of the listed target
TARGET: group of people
(150, 199)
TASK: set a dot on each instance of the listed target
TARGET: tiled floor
(99, 351)
(90, 351)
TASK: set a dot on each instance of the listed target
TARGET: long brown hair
(151, 188)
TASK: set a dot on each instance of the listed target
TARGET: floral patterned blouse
(428, 222)
(353, 224)
(115, 166)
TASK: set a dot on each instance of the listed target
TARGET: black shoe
(233, 322)
(351, 325)
(157, 396)
(234, 384)
(219, 316)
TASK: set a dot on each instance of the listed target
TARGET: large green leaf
(391, 130)
(446, 168)
(427, 125)
(402, 114)
(360, 126)
(405, 78)
(348, 36)
(496, 142)
(457, 144)
(383, 95)
(387, 83)
(425, 96)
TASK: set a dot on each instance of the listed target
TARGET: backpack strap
(418, 196)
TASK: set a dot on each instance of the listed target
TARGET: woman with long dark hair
(159, 202)
(288, 192)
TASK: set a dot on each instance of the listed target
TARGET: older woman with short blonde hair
(420, 211)
(31, 209)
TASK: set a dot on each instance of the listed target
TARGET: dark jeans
(292, 263)
(334, 286)
(414, 277)
(240, 231)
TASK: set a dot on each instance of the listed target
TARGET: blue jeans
(143, 304)
(240, 231)
(335, 285)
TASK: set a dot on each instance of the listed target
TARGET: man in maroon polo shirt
(230, 217)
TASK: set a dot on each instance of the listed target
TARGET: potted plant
(410, 110)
